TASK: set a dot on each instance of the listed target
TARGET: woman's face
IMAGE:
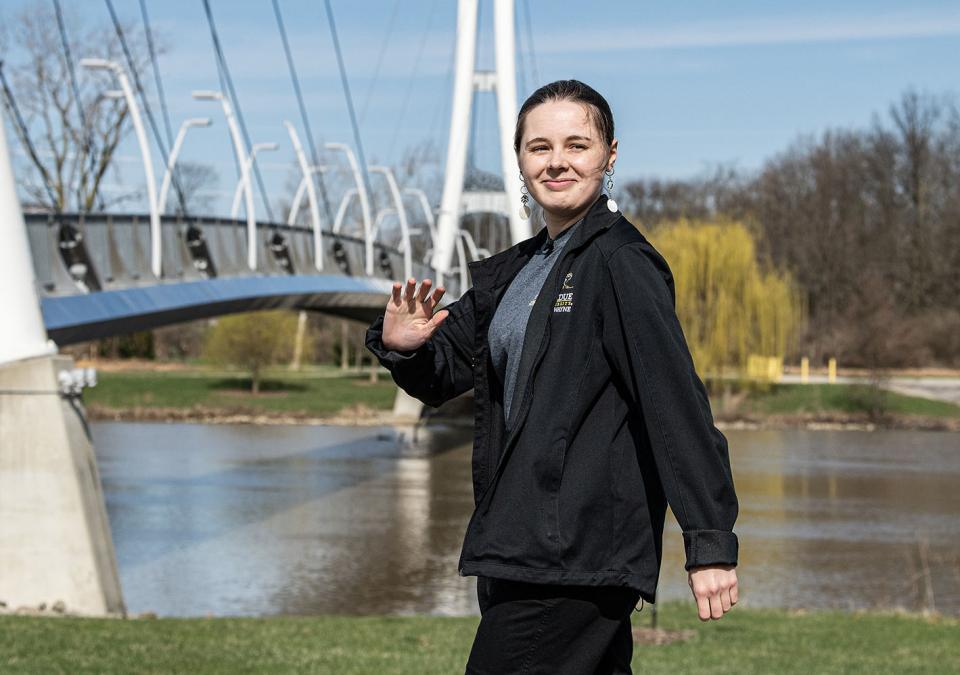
(563, 157)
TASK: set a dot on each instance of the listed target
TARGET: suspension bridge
(72, 275)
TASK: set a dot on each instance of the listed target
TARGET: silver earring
(524, 200)
(611, 205)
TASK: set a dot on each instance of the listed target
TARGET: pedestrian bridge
(95, 273)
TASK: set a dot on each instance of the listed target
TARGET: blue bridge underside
(77, 318)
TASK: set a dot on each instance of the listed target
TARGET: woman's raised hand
(409, 321)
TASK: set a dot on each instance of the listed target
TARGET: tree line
(867, 222)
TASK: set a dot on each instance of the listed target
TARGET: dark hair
(568, 90)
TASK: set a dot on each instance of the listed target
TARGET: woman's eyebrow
(569, 138)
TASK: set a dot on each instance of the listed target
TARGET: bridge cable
(533, 50)
(303, 111)
(159, 83)
(346, 92)
(87, 140)
(413, 76)
(146, 104)
(225, 78)
(522, 65)
(10, 103)
(383, 50)
(156, 72)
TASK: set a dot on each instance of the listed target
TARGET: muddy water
(246, 520)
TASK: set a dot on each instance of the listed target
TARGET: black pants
(560, 630)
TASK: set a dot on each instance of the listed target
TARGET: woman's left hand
(714, 588)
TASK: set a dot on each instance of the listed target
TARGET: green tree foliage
(729, 304)
(252, 341)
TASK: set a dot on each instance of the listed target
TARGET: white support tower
(503, 82)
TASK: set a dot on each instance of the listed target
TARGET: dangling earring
(524, 199)
(612, 205)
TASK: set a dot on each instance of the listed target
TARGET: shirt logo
(564, 302)
(568, 280)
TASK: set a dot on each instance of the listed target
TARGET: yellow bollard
(804, 370)
(832, 371)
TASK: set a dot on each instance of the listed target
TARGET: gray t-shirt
(509, 323)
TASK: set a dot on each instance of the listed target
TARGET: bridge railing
(84, 253)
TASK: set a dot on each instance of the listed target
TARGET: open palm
(409, 319)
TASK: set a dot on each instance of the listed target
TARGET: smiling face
(562, 158)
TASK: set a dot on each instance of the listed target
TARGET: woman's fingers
(424, 290)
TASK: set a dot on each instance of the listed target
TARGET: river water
(262, 520)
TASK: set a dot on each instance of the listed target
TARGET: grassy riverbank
(317, 392)
(745, 641)
(325, 393)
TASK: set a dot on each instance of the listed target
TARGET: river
(262, 520)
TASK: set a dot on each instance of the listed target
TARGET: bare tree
(196, 180)
(75, 140)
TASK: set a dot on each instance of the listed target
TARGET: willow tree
(729, 304)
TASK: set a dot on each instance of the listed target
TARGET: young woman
(590, 417)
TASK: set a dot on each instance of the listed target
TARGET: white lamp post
(257, 147)
(364, 200)
(156, 250)
(302, 188)
(307, 183)
(175, 153)
(342, 209)
(241, 152)
(401, 216)
(421, 197)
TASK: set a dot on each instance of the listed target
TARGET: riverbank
(327, 395)
(746, 640)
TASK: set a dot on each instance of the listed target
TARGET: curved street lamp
(306, 183)
(401, 216)
(156, 249)
(257, 147)
(364, 201)
(241, 152)
(174, 154)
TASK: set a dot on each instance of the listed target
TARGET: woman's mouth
(558, 184)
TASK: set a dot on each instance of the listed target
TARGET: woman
(590, 418)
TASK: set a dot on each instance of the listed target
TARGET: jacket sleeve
(441, 368)
(647, 346)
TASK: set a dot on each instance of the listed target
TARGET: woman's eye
(538, 148)
(578, 146)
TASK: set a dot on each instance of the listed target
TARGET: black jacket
(611, 422)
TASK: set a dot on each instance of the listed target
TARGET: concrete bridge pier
(55, 542)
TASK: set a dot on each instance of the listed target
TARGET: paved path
(937, 388)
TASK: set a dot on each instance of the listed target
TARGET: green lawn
(325, 390)
(744, 641)
(841, 398)
(316, 392)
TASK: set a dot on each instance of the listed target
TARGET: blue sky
(691, 83)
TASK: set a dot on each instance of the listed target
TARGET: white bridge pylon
(467, 80)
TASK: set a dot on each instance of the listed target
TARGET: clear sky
(691, 83)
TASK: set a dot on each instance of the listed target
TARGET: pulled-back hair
(568, 90)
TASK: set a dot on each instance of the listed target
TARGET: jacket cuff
(710, 547)
(387, 357)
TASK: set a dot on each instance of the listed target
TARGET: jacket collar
(501, 267)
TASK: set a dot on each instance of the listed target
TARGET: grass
(842, 398)
(745, 641)
(325, 390)
(316, 392)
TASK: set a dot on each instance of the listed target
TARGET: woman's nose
(557, 160)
